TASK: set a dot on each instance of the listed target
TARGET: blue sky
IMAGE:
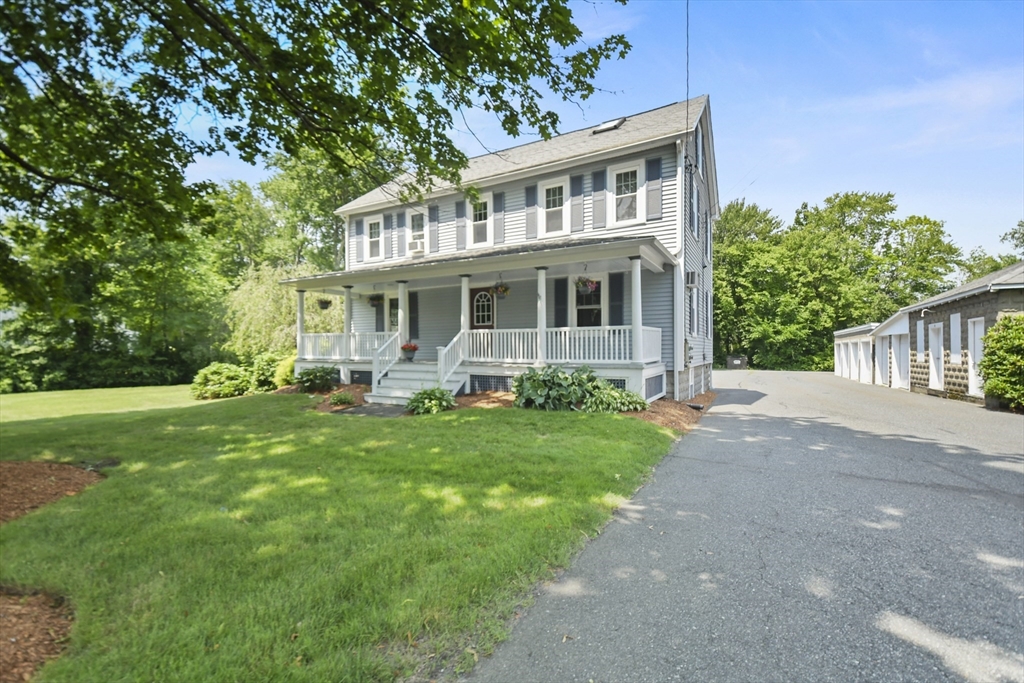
(925, 100)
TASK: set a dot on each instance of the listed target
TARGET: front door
(975, 350)
(481, 309)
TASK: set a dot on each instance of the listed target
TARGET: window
(588, 308)
(554, 200)
(373, 236)
(625, 195)
(700, 151)
(416, 227)
(694, 204)
(483, 310)
(692, 313)
(480, 223)
(707, 237)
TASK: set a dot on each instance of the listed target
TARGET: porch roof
(514, 261)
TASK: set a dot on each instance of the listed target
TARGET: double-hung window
(626, 185)
(694, 205)
(373, 237)
(416, 231)
(588, 306)
(700, 151)
(554, 201)
(707, 237)
(480, 216)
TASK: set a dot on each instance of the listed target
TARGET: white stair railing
(450, 357)
(384, 357)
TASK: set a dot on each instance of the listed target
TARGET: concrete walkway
(812, 529)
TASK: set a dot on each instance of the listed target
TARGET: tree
(1015, 238)
(782, 291)
(96, 96)
(980, 263)
(261, 313)
(1002, 365)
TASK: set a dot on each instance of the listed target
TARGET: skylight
(609, 125)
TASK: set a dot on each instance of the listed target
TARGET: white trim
(599, 277)
(378, 218)
(542, 210)
(920, 341)
(488, 198)
(640, 166)
(936, 357)
(698, 143)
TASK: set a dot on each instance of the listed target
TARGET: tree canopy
(104, 103)
(781, 291)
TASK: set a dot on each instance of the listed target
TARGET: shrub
(264, 372)
(1002, 365)
(430, 401)
(221, 380)
(317, 379)
(342, 398)
(284, 374)
(605, 398)
(552, 388)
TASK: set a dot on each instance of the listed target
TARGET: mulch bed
(356, 391)
(33, 629)
(676, 414)
(33, 626)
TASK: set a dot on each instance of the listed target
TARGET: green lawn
(257, 540)
(37, 404)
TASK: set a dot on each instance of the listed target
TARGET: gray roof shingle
(1011, 276)
(647, 126)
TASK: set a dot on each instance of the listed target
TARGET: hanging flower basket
(375, 300)
(501, 290)
(584, 285)
(324, 304)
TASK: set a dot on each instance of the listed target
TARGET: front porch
(471, 335)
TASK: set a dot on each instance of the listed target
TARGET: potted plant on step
(409, 350)
(584, 285)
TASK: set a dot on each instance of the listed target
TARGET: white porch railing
(385, 357)
(651, 348)
(450, 357)
(354, 346)
(590, 344)
(509, 346)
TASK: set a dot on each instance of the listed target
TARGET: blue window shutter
(654, 189)
(616, 298)
(531, 212)
(599, 198)
(379, 317)
(414, 315)
(387, 235)
(432, 220)
(460, 225)
(562, 302)
(400, 227)
(499, 217)
(576, 202)
(359, 240)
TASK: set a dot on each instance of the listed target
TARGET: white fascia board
(541, 170)
(652, 254)
(898, 323)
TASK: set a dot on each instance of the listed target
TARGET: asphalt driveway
(811, 529)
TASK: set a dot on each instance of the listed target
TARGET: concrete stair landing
(405, 379)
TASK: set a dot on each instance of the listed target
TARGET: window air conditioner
(416, 247)
(691, 278)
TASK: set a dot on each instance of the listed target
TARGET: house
(934, 346)
(592, 247)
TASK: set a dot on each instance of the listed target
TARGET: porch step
(405, 379)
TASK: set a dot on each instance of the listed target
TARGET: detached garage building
(934, 346)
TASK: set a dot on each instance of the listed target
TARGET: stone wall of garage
(989, 305)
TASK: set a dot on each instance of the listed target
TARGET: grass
(40, 404)
(254, 539)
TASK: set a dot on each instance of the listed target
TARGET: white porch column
(300, 321)
(542, 315)
(465, 302)
(638, 313)
(403, 310)
(347, 323)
